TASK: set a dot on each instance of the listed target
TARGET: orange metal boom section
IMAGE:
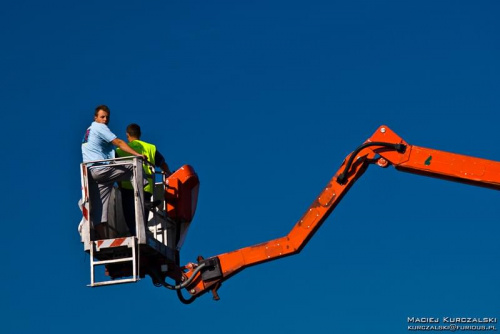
(401, 155)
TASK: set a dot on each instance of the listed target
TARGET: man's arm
(124, 147)
(164, 167)
(160, 162)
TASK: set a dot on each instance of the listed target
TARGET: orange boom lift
(383, 148)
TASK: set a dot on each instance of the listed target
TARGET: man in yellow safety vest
(155, 157)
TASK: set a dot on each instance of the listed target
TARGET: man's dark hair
(103, 108)
(134, 130)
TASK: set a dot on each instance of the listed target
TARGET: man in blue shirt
(98, 144)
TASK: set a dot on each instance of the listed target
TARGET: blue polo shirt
(96, 143)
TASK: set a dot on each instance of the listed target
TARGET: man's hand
(121, 144)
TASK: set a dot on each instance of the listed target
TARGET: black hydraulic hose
(183, 299)
(342, 178)
(186, 283)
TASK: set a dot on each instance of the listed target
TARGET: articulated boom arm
(383, 148)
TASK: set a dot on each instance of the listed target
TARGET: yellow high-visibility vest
(147, 149)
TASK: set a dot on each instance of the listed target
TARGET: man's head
(101, 114)
(133, 132)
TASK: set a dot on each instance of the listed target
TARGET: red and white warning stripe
(109, 243)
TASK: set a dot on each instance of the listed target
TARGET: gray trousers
(101, 180)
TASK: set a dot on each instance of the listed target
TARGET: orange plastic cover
(181, 194)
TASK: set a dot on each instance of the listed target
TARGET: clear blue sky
(264, 99)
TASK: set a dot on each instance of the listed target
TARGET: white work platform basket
(128, 256)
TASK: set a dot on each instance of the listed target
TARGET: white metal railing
(137, 179)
